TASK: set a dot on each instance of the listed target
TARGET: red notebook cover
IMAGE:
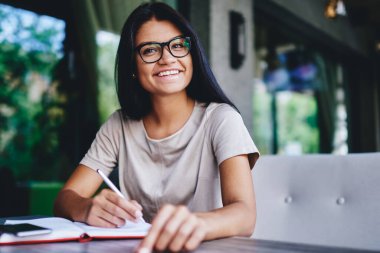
(65, 230)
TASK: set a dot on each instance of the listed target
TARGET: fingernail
(138, 214)
(144, 250)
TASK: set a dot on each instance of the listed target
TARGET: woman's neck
(169, 114)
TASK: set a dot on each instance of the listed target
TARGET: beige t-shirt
(179, 169)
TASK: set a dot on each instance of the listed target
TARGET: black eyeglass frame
(162, 45)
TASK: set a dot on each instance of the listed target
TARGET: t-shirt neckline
(196, 105)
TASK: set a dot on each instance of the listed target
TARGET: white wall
(237, 84)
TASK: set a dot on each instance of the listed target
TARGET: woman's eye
(149, 50)
(177, 45)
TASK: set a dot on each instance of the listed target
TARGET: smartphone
(24, 229)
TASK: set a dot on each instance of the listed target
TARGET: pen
(113, 187)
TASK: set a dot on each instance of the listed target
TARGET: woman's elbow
(249, 225)
(57, 206)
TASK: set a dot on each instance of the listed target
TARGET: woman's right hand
(75, 201)
(107, 209)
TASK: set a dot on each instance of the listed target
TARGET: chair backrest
(319, 199)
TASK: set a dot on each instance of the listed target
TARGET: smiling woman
(175, 125)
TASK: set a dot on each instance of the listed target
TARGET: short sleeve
(103, 153)
(229, 135)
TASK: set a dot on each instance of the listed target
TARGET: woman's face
(169, 75)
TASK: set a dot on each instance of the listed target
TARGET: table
(234, 244)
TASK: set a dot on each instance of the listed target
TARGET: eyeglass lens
(178, 47)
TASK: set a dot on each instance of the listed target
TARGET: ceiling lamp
(335, 8)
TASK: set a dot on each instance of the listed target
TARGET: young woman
(183, 152)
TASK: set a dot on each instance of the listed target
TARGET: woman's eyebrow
(156, 42)
(147, 42)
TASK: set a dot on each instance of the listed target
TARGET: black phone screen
(24, 229)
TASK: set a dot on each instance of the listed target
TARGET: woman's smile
(168, 75)
(168, 72)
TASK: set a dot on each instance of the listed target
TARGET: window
(31, 104)
(107, 47)
(298, 101)
(284, 102)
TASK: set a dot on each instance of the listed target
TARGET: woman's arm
(175, 228)
(106, 209)
(238, 215)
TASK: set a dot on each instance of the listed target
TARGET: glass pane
(31, 104)
(298, 100)
(107, 99)
(297, 123)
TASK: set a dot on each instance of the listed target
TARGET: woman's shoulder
(116, 116)
(220, 111)
(114, 121)
(217, 115)
(118, 121)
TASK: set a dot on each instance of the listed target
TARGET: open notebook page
(64, 228)
(61, 228)
(130, 228)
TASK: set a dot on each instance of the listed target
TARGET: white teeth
(169, 72)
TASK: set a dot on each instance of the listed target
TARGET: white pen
(114, 188)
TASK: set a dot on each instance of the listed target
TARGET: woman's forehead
(157, 30)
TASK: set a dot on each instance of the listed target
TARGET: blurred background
(303, 73)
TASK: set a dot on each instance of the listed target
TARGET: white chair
(319, 199)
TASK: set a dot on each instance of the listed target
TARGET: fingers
(109, 210)
(183, 234)
(157, 225)
(171, 228)
(101, 218)
(195, 239)
(130, 210)
(174, 228)
(136, 204)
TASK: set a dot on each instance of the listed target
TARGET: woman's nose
(167, 57)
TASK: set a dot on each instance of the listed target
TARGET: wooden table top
(235, 244)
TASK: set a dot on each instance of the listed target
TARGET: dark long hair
(134, 100)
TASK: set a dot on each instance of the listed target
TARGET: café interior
(304, 74)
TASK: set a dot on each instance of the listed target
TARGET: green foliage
(262, 121)
(30, 103)
(107, 98)
(297, 120)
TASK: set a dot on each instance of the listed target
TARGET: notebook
(66, 230)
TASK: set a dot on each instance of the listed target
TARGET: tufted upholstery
(319, 199)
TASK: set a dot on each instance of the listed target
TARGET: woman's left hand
(174, 228)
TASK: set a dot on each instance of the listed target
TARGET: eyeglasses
(151, 52)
